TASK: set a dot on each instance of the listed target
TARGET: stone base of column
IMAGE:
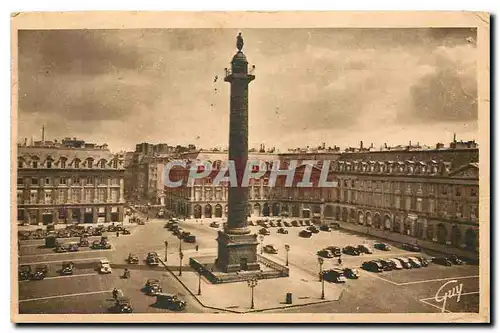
(237, 253)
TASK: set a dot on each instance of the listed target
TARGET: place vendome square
(257, 167)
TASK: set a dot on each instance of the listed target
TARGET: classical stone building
(68, 183)
(425, 200)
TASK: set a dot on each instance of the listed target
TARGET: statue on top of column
(239, 42)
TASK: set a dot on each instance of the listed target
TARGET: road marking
(63, 296)
(464, 294)
(63, 253)
(64, 277)
(435, 280)
(434, 306)
(378, 277)
(52, 261)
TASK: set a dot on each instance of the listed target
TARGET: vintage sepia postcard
(250, 167)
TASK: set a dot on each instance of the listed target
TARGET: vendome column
(237, 248)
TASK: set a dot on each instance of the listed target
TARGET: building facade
(58, 183)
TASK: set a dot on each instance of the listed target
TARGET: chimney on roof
(371, 146)
(410, 143)
(361, 145)
(454, 137)
(385, 145)
(43, 133)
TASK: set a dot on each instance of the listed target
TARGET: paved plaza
(89, 292)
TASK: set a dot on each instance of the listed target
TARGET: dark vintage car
(152, 287)
(372, 266)
(125, 231)
(382, 246)
(264, 231)
(67, 268)
(214, 225)
(170, 301)
(404, 262)
(84, 242)
(351, 250)
(456, 260)
(335, 226)
(442, 261)
(152, 260)
(132, 259)
(325, 253)
(295, 223)
(324, 227)
(24, 272)
(184, 234)
(61, 248)
(411, 247)
(270, 249)
(335, 250)
(190, 239)
(40, 272)
(122, 305)
(414, 262)
(387, 265)
(334, 275)
(423, 261)
(362, 248)
(101, 245)
(140, 222)
(351, 273)
(313, 229)
(287, 224)
(305, 233)
(282, 231)
(273, 224)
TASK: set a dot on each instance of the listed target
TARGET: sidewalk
(268, 294)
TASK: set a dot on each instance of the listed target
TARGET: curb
(242, 312)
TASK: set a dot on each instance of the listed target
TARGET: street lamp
(199, 280)
(261, 238)
(166, 249)
(252, 283)
(181, 255)
(320, 261)
(287, 248)
(180, 242)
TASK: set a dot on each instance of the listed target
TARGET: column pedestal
(237, 252)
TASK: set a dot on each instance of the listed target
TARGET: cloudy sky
(337, 86)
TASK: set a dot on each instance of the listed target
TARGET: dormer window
(63, 163)
(35, 164)
(90, 163)
(49, 164)
(103, 164)
(77, 163)
(20, 164)
(115, 163)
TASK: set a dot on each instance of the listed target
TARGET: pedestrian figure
(117, 234)
(196, 247)
(147, 218)
(340, 260)
(115, 293)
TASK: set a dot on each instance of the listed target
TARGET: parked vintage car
(73, 247)
(133, 259)
(324, 227)
(101, 245)
(411, 247)
(335, 250)
(152, 287)
(170, 301)
(325, 253)
(61, 248)
(372, 266)
(24, 272)
(404, 262)
(382, 246)
(423, 261)
(351, 273)
(104, 266)
(190, 239)
(351, 250)
(313, 229)
(214, 224)
(84, 241)
(122, 305)
(152, 260)
(456, 260)
(442, 261)
(387, 264)
(362, 248)
(295, 223)
(282, 231)
(287, 224)
(270, 249)
(67, 268)
(397, 263)
(414, 262)
(305, 233)
(40, 272)
(333, 275)
(335, 226)
(125, 231)
(264, 231)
